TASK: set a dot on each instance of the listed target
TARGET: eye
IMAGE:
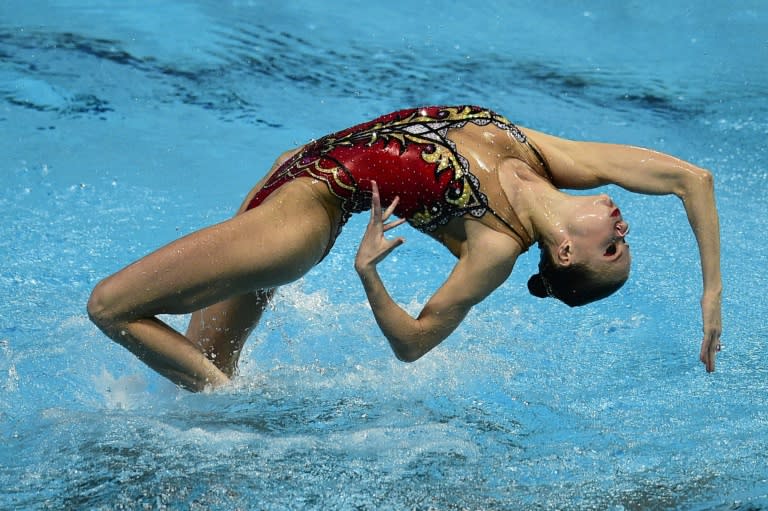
(611, 250)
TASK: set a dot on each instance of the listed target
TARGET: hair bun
(536, 286)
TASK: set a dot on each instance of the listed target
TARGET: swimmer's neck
(546, 210)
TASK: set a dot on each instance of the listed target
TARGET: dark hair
(574, 285)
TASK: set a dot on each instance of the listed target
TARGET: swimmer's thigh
(263, 248)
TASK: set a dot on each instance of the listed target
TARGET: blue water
(127, 124)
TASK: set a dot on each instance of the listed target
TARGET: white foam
(11, 383)
(213, 439)
(294, 295)
(122, 393)
(407, 442)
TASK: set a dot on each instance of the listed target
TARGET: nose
(622, 228)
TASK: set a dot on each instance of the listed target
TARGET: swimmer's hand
(710, 309)
(374, 246)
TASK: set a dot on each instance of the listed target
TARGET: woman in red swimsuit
(481, 186)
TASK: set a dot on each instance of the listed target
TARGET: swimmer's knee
(101, 306)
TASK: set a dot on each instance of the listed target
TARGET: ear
(564, 253)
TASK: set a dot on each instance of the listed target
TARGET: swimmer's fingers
(393, 224)
(376, 209)
(388, 213)
(374, 246)
(375, 203)
(710, 345)
(390, 209)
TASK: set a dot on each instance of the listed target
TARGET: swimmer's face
(597, 231)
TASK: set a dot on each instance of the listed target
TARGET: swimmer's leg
(263, 248)
(222, 329)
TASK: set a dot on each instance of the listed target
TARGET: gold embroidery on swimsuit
(443, 158)
(428, 132)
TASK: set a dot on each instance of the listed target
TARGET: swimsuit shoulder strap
(503, 217)
(524, 149)
(538, 163)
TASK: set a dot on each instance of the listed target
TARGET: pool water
(128, 124)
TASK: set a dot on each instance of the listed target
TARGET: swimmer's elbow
(414, 340)
(695, 182)
(705, 179)
(413, 350)
(406, 355)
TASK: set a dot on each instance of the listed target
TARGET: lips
(616, 213)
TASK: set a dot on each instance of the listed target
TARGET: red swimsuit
(408, 154)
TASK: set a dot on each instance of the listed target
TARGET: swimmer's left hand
(710, 309)
(374, 246)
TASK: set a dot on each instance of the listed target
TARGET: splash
(123, 392)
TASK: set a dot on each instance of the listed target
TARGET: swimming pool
(128, 124)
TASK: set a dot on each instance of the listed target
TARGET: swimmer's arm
(411, 338)
(475, 276)
(584, 165)
(589, 165)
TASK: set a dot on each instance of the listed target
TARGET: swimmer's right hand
(374, 246)
(712, 317)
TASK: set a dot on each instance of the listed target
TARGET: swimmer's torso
(442, 162)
